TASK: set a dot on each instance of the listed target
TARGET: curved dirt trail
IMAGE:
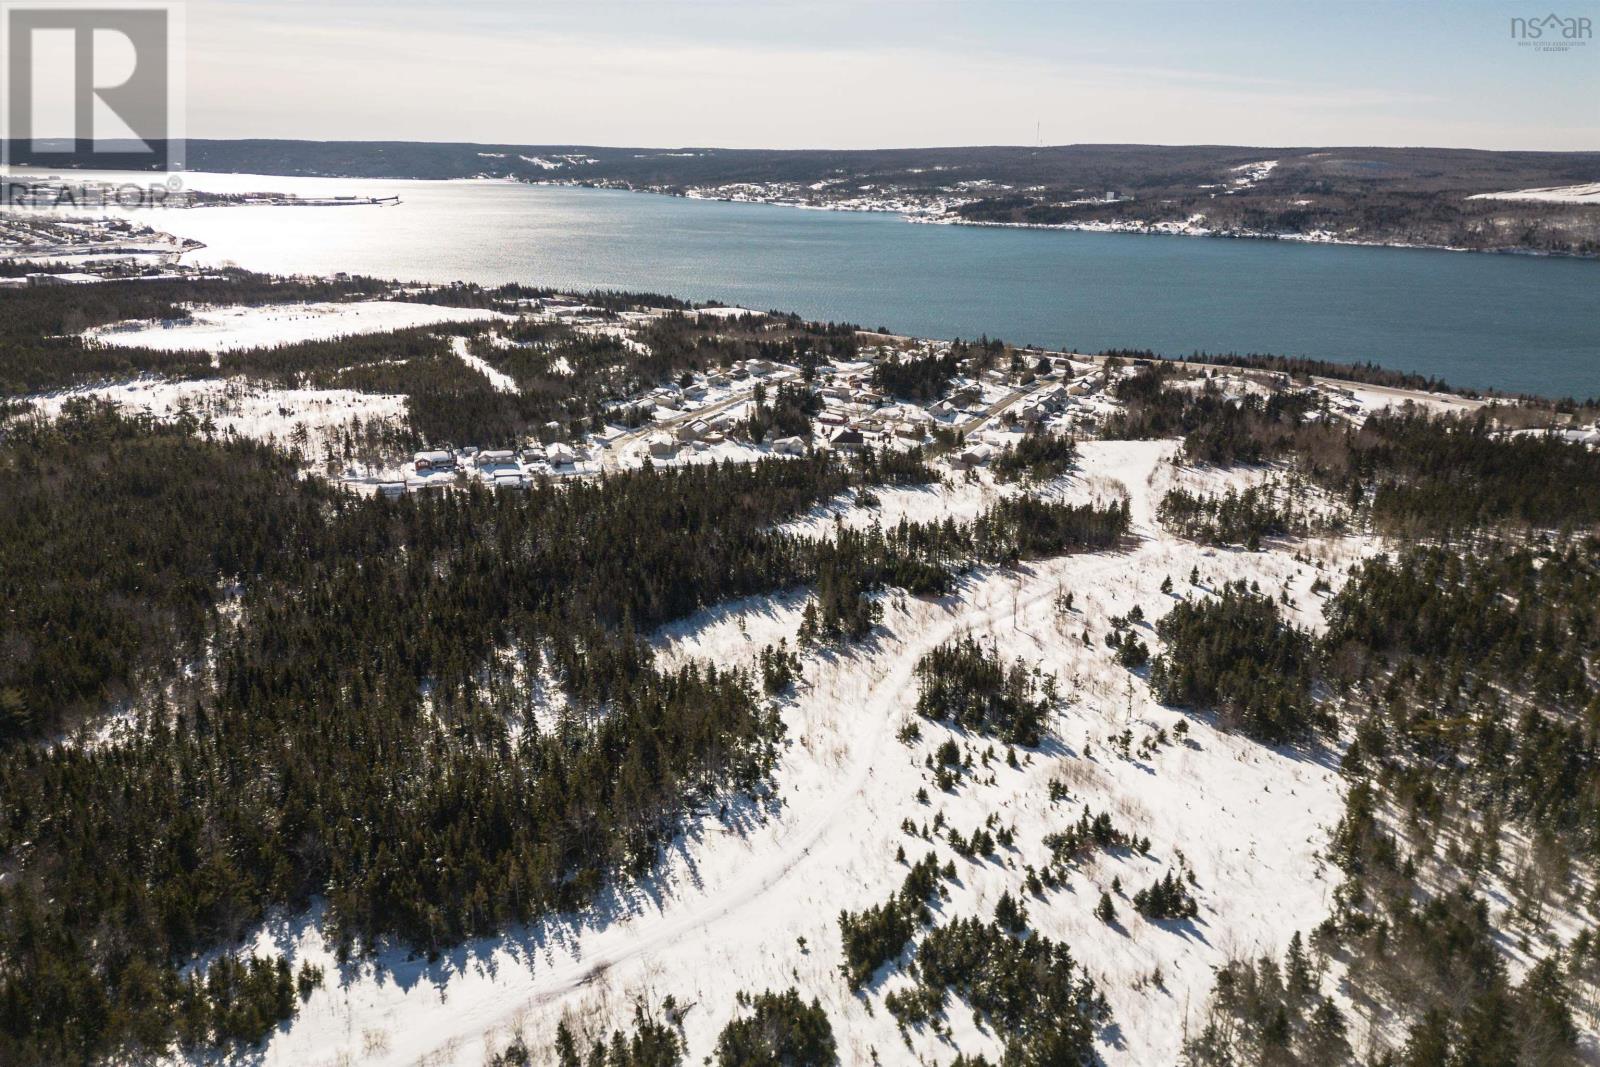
(624, 940)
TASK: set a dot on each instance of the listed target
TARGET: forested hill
(1126, 167)
(1408, 196)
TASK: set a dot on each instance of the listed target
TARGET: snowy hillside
(664, 657)
(749, 898)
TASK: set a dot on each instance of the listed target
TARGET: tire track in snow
(891, 692)
(501, 381)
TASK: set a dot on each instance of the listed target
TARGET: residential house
(499, 457)
(435, 460)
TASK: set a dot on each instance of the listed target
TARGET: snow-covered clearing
(748, 898)
(724, 313)
(1252, 173)
(1588, 193)
(285, 417)
(230, 329)
(1370, 398)
(502, 381)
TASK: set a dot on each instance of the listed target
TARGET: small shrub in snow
(1166, 898)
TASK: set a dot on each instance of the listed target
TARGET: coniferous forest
(1462, 669)
(230, 689)
(397, 782)
(406, 784)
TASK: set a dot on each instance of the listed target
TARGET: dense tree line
(768, 1029)
(1264, 1011)
(103, 568)
(1233, 654)
(1431, 955)
(1093, 830)
(652, 1043)
(1408, 472)
(895, 466)
(1433, 477)
(1523, 617)
(341, 362)
(1166, 898)
(787, 413)
(1232, 518)
(345, 738)
(920, 378)
(1038, 456)
(1216, 428)
(1026, 527)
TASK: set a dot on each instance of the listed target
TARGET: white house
(509, 480)
(435, 460)
(498, 457)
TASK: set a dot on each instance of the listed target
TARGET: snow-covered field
(232, 328)
(749, 899)
(287, 417)
(1559, 194)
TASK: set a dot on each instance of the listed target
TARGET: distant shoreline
(1131, 227)
(935, 213)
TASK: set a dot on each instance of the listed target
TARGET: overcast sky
(887, 73)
